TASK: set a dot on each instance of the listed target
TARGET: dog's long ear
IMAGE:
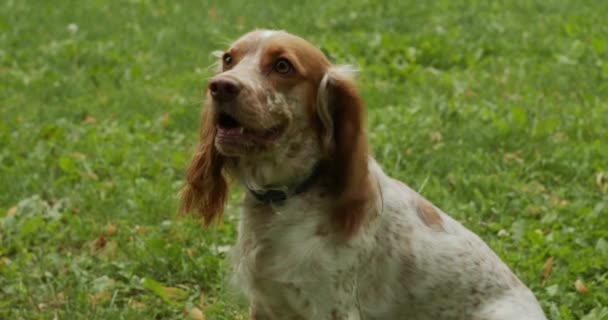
(342, 114)
(206, 188)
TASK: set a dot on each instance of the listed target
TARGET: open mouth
(229, 130)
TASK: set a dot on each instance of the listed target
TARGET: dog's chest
(293, 262)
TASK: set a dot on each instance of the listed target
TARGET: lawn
(496, 111)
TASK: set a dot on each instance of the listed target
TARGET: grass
(497, 111)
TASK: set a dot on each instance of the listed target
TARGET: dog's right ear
(206, 186)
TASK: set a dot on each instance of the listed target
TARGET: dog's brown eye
(283, 66)
(227, 58)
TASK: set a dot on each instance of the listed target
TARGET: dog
(324, 233)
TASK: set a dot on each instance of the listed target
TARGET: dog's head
(272, 92)
(266, 85)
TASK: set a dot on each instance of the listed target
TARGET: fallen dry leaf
(11, 211)
(534, 187)
(190, 252)
(110, 229)
(99, 297)
(580, 286)
(502, 233)
(175, 294)
(89, 119)
(241, 316)
(600, 181)
(164, 120)
(139, 229)
(136, 304)
(533, 210)
(197, 314)
(97, 244)
(201, 301)
(159, 12)
(92, 175)
(100, 243)
(109, 251)
(547, 267)
(59, 299)
(452, 180)
(212, 13)
(513, 157)
(555, 200)
(78, 155)
(436, 136)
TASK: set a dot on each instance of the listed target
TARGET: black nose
(224, 89)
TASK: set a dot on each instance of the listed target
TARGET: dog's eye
(227, 59)
(283, 66)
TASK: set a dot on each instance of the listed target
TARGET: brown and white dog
(324, 233)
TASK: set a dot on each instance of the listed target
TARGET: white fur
(291, 271)
(267, 34)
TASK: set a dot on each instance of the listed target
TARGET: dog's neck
(288, 164)
(274, 173)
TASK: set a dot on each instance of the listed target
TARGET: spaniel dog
(324, 233)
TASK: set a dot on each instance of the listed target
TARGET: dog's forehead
(261, 40)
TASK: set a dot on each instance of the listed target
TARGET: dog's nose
(224, 89)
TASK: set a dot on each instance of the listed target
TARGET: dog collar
(269, 196)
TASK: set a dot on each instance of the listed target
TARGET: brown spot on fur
(429, 215)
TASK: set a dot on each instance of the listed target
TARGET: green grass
(498, 111)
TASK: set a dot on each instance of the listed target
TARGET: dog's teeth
(241, 130)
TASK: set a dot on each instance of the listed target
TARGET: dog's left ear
(342, 114)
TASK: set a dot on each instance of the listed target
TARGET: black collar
(274, 195)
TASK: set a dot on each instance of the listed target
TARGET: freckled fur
(357, 245)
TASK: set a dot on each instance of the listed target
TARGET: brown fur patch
(429, 215)
(352, 186)
(207, 188)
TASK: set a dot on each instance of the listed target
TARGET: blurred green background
(495, 111)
